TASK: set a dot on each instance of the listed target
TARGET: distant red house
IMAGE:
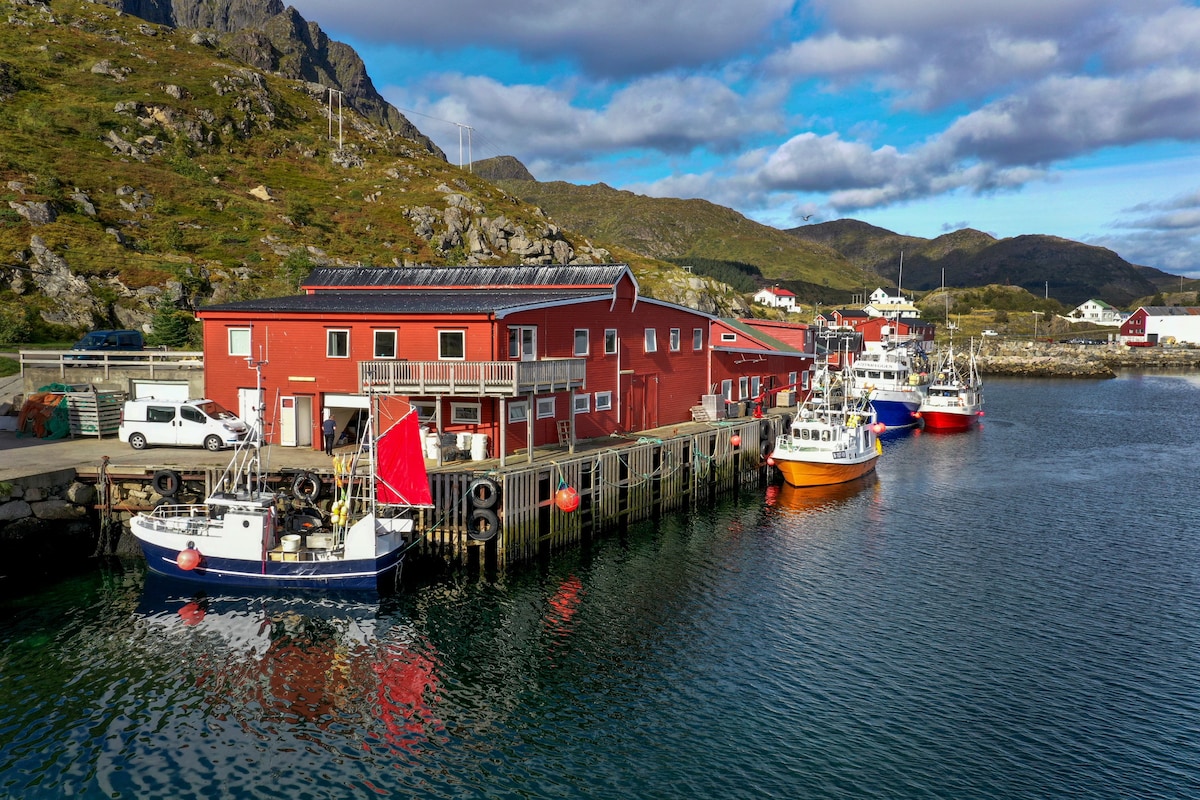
(515, 353)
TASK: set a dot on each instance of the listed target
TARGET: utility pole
(338, 92)
(470, 157)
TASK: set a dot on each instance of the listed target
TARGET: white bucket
(479, 446)
(433, 446)
(464, 441)
(290, 543)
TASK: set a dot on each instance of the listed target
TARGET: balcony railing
(473, 378)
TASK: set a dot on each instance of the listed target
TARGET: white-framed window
(728, 337)
(603, 401)
(610, 341)
(522, 343)
(581, 342)
(674, 340)
(583, 403)
(518, 412)
(727, 389)
(697, 338)
(792, 379)
(452, 345)
(755, 386)
(545, 407)
(743, 387)
(464, 413)
(337, 344)
(651, 340)
(239, 341)
(805, 378)
(385, 344)
(425, 410)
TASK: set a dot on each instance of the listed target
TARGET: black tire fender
(307, 487)
(166, 482)
(484, 493)
(484, 525)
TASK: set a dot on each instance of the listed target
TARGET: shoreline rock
(1054, 360)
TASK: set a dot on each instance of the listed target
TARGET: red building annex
(522, 355)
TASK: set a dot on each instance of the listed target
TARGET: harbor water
(1012, 612)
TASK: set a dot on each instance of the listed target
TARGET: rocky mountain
(269, 37)
(1068, 271)
(696, 232)
(149, 168)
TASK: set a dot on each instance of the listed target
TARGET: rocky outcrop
(274, 38)
(1051, 360)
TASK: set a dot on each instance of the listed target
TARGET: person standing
(329, 429)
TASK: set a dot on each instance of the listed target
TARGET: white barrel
(479, 446)
(464, 441)
(433, 446)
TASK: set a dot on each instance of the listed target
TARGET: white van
(179, 423)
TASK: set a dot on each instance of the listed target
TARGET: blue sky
(1074, 118)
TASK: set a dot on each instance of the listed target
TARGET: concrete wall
(112, 378)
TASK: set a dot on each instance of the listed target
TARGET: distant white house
(1153, 325)
(1097, 312)
(882, 304)
(776, 298)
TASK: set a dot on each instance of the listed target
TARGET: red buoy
(567, 499)
(879, 428)
(188, 560)
(735, 440)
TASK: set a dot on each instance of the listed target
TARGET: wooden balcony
(472, 378)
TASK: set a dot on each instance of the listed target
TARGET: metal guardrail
(150, 360)
(482, 378)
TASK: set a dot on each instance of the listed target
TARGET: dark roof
(578, 276)
(425, 301)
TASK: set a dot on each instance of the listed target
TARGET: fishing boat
(895, 378)
(954, 400)
(246, 535)
(832, 439)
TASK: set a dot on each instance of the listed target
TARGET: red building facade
(636, 363)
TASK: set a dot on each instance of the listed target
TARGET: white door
(249, 405)
(287, 422)
(304, 421)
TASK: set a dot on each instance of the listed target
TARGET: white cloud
(605, 37)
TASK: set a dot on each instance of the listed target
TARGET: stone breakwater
(1053, 360)
(47, 526)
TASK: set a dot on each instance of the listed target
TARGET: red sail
(400, 465)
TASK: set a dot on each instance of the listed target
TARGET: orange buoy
(188, 560)
(567, 499)
(735, 440)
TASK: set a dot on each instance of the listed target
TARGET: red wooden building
(523, 355)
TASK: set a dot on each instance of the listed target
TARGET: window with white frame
(518, 412)
(674, 340)
(603, 401)
(239, 341)
(545, 407)
(743, 387)
(385, 344)
(755, 386)
(452, 345)
(727, 389)
(522, 342)
(791, 379)
(425, 411)
(610, 341)
(728, 337)
(464, 413)
(651, 340)
(697, 338)
(581, 342)
(583, 403)
(805, 379)
(337, 344)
